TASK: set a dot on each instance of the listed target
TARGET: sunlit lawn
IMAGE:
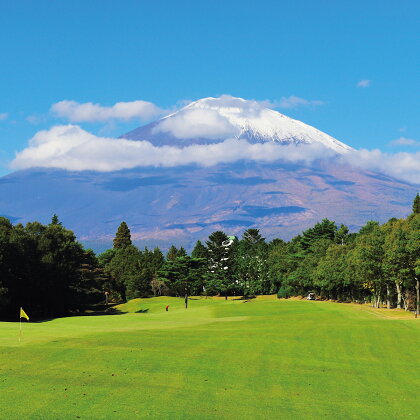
(261, 359)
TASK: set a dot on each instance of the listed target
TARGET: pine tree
(326, 229)
(124, 270)
(217, 252)
(416, 204)
(253, 236)
(199, 251)
(172, 253)
(220, 262)
(54, 220)
(181, 252)
(122, 237)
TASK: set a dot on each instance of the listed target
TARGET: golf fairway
(259, 359)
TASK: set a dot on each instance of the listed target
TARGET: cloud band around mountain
(205, 123)
(72, 148)
(89, 112)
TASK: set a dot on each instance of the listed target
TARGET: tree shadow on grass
(109, 311)
(246, 298)
(142, 311)
(32, 320)
(99, 310)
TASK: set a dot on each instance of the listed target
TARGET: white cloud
(199, 122)
(3, 116)
(72, 148)
(404, 141)
(402, 165)
(294, 102)
(36, 118)
(90, 112)
(363, 83)
(223, 117)
(32, 119)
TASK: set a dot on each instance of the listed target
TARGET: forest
(44, 269)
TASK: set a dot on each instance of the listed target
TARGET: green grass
(262, 359)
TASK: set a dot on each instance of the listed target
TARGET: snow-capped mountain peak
(211, 120)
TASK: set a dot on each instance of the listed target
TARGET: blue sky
(166, 52)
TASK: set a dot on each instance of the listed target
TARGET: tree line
(45, 269)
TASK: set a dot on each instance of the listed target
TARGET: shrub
(286, 291)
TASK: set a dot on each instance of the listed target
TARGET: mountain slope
(184, 204)
(181, 204)
(211, 120)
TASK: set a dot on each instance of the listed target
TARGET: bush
(286, 291)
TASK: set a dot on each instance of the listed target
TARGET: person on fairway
(167, 308)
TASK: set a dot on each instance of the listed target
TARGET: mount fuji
(181, 202)
(211, 120)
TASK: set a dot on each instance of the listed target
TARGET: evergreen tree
(44, 268)
(215, 245)
(276, 242)
(181, 252)
(199, 251)
(172, 253)
(122, 237)
(250, 269)
(91, 283)
(54, 220)
(106, 257)
(220, 262)
(41, 268)
(124, 270)
(156, 260)
(326, 229)
(8, 276)
(252, 236)
(149, 264)
(416, 204)
(302, 278)
(173, 273)
(184, 276)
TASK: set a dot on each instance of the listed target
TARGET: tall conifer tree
(172, 253)
(122, 237)
(199, 251)
(416, 204)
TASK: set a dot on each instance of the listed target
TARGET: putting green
(232, 359)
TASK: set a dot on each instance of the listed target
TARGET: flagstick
(20, 328)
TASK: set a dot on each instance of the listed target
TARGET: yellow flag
(23, 314)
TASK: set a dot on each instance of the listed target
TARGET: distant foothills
(45, 270)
